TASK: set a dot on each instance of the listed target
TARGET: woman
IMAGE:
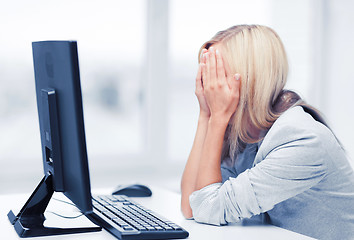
(261, 149)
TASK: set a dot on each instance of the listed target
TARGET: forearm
(209, 166)
(218, 95)
(188, 183)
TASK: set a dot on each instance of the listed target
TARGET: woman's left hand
(222, 90)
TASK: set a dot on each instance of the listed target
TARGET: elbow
(208, 210)
(187, 212)
(207, 216)
(205, 205)
(185, 208)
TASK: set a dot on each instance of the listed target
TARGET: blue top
(299, 174)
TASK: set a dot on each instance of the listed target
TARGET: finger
(236, 84)
(212, 65)
(201, 55)
(220, 69)
(206, 68)
(198, 82)
(204, 74)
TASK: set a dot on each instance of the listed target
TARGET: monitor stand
(29, 221)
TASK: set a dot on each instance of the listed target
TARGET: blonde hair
(258, 55)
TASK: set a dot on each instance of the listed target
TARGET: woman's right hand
(199, 91)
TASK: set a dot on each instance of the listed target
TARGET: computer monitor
(62, 132)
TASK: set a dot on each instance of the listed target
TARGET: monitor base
(29, 221)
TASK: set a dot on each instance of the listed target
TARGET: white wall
(334, 64)
(319, 41)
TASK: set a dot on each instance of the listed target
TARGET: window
(111, 43)
(138, 63)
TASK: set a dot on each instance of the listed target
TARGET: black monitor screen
(59, 103)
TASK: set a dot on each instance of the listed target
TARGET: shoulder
(296, 119)
(296, 128)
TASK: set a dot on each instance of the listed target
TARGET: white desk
(164, 202)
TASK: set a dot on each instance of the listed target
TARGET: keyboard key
(141, 228)
(100, 208)
(104, 198)
(110, 215)
(128, 228)
(119, 221)
(176, 227)
(149, 228)
(111, 208)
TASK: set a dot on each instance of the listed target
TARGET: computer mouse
(132, 190)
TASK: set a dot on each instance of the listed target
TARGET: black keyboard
(127, 219)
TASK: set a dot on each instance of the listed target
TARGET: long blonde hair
(258, 55)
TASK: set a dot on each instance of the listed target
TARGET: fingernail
(237, 76)
(211, 49)
(217, 51)
(201, 55)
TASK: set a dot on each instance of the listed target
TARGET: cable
(65, 216)
(64, 201)
(68, 217)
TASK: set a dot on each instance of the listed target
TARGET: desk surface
(164, 202)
